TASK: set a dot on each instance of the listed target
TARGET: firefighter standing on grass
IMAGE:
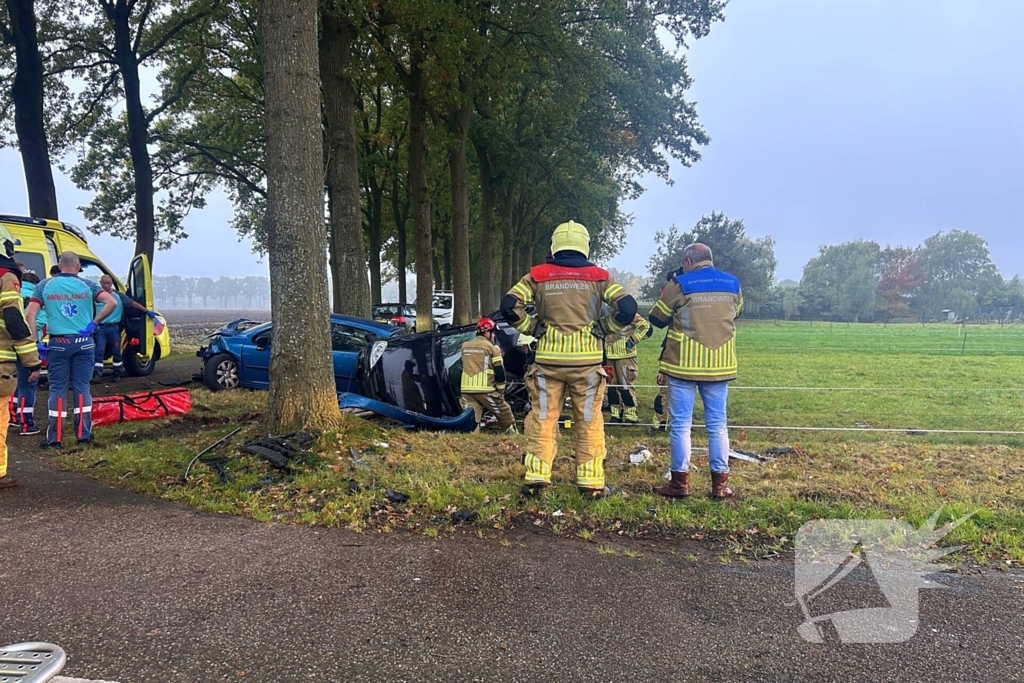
(483, 377)
(621, 355)
(559, 303)
(16, 342)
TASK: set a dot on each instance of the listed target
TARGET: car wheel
(221, 372)
(136, 367)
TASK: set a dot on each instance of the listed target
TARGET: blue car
(238, 354)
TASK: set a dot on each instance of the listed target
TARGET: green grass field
(893, 376)
(791, 375)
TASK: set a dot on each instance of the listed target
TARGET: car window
(451, 346)
(347, 338)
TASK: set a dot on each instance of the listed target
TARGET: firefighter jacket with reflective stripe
(625, 345)
(479, 358)
(701, 306)
(568, 301)
(16, 342)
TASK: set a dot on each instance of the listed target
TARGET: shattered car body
(422, 373)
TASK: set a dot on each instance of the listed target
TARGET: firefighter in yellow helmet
(559, 303)
(483, 377)
(621, 355)
(17, 342)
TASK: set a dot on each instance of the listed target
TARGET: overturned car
(421, 376)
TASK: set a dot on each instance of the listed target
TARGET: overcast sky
(831, 120)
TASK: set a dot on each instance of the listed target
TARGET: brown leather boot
(677, 487)
(719, 486)
(8, 482)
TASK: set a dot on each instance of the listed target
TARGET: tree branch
(170, 34)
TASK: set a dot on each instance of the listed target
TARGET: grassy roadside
(828, 476)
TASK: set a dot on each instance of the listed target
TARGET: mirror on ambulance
(140, 288)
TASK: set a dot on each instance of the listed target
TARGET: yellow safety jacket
(701, 306)
(568, 301)
(479, 358)
(16, 342)
(636, 333)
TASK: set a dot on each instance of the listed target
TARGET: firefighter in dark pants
(621, 355)
(71, 319)
(108, 333)
(483, 378)
(16, 342)
(566, 295)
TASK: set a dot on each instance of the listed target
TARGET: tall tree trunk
(351, 288)
(403, 241)
(474, 286)
(507, 241)
(138, 130)
(458, 123)
(438, 283)
(374, 235)
(27, 94)
(375, 279)
(448, 266)
(420, 188)
(487, 275)
(302, 391)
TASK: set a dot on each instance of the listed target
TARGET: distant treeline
(949, 277)
(172, 291)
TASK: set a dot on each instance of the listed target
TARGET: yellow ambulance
(38, 243)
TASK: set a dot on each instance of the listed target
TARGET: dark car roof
(383, 329)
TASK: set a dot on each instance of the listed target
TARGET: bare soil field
(189, 326)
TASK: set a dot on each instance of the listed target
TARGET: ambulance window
(52, 248)
(91, 271)
(33, 263)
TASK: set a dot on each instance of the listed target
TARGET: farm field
(921, 377)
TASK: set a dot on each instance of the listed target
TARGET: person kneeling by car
(483, 377)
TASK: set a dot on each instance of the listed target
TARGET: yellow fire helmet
(6, 242)
(571, 236)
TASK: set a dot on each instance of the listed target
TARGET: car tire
(221, 372)
(140, 368)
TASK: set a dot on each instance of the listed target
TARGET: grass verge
(827, 477)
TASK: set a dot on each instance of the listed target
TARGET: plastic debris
(557, 513)
(464, 516)
(640, 455)
(395, 496)
(99, 463)
(779, 451)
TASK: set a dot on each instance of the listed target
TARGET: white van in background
(444, 308)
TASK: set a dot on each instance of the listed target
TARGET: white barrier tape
(784, 388)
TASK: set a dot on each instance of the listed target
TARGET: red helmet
(486, 325)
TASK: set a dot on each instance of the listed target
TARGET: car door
(255, 370)
(140, 288)
(346, 343)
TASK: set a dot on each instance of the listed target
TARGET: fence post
(964, 346)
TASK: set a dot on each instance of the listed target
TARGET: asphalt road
(136, 589)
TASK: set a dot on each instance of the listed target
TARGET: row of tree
(172, 291)
(455, 134)
(951, 273)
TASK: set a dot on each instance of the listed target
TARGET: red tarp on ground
(108, 410)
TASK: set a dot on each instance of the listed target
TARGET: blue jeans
(25, 400)
(70, 361)
(108, 336)
(681, 396)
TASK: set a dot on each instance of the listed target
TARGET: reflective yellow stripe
(663, 308)
(590, 474)
(537, 471)
(9, 296)
(8, 355)
(523, 291)
(613, 291)
(28, 347)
